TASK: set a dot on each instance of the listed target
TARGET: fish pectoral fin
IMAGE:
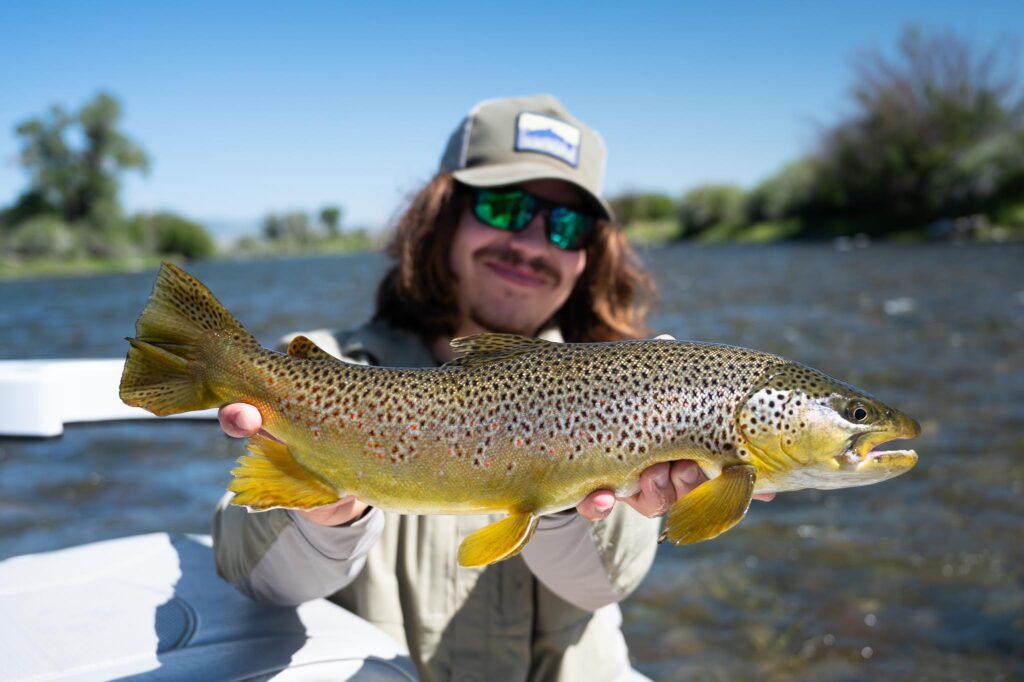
(711, 508)
(304, 349)
(269, 477)
(500, 540)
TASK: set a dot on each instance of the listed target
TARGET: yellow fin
(269, 477)
(483, 349)
(711, 508)
(169, 369)
(301, 347)
(500, 540)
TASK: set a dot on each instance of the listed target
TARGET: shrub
(632, 207)
(44, 235)
(708, 206)
(174, 235)
(785, 194)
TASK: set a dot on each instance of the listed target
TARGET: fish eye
(858, 413)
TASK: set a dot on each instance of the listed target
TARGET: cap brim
(496, 175)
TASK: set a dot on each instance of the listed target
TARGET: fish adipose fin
(483, 349)
(269, 477)
(168, 368)
(711, 508)
(304, 349)
(500, 540)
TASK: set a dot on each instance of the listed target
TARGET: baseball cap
(518, 139)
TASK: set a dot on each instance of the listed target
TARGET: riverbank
(645, 233)
(32, 268)
(14, 268)
(655, 232)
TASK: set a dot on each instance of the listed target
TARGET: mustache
(514, 258)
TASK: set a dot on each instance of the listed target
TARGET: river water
(919, 578)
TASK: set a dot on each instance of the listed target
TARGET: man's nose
(534, 237)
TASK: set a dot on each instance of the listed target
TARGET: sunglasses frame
(541, 206)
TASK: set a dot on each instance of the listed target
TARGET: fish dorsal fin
(303, 348)
(483, 349)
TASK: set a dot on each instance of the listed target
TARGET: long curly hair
(610, 301)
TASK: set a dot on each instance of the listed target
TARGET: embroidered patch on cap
(546, 135)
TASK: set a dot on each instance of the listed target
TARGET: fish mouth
(861, 455)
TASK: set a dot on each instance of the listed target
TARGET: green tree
(712, 206)
(786, 194)
(298, 228)
(634, 206)
(293, 228)
(174, 235)
(74, 161)
(330, 217)
(935, 132)
(273, 227)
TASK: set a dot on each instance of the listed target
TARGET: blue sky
(252, 107)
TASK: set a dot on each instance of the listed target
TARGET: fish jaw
(869, 465)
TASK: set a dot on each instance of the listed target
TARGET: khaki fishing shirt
(549, 613)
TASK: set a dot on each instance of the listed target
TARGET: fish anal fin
(483, 349)
(301, 347)
(269, 477)
(711, 508)
(497, 541)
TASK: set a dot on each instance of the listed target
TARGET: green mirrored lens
(504, 210)
(568, 229)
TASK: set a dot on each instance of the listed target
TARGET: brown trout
(513, 424)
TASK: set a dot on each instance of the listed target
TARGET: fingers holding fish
(240, 420)
(662, 484)
(596, 505)
(344, 511)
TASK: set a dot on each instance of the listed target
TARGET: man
(511, 235)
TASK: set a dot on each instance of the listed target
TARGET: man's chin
(501, 324)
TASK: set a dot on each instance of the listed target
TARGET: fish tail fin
(170, 366)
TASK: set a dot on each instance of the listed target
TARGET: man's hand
(240, 420)
(660, 486)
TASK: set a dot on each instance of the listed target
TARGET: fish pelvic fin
(170, 367)
(498, 541)
(269, 477)
(711, 508)
(304, 349)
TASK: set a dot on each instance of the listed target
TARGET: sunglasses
(511, 210)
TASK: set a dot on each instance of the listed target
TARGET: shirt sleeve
(592, 564)
(278, 557)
